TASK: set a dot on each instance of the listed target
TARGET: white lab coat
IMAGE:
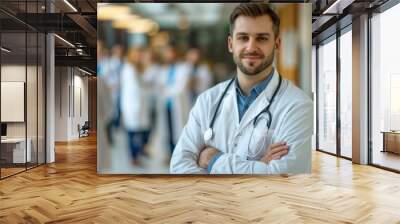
(292, 121)
(203, 77)
(134, 100)
(180, 95)
(150, 81)
(111, 75)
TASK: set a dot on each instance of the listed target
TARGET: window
(346, 94)
(385, 87)
(327, 96)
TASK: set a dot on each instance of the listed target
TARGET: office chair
(84, 130)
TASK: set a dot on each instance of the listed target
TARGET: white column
(50, 110)
(50, 92)
(360, 90)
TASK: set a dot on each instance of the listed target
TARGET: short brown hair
(254, 10)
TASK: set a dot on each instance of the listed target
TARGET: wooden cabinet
(391, 142)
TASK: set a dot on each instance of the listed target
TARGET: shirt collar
(259, 87)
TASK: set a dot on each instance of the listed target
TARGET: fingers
(277, 145)
(279, 154)
(278, 149)
(275, 151)
(276, 155)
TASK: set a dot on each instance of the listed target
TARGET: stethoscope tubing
(209, 132)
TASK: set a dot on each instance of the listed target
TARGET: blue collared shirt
(244, 101)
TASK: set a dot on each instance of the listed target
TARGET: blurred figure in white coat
(135, 104)
(175, 94)
(112, 78)
(151, 75)
(200, 75)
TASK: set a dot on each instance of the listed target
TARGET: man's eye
(262, 39)
(242, 38)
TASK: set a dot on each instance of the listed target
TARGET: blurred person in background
(152, 70)
(199, 72)
(102, 59)
(113, 80)
(135, 108)
(104, 109)
(175, 94)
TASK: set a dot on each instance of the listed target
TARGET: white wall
(80, 85)
(61, 103)
(16, 73)
(33, 126)
(71, 87)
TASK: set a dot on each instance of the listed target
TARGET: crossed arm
(275, 151)
(292, 155)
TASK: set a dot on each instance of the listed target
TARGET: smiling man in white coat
(256, 123)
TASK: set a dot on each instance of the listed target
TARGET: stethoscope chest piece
(208, 134)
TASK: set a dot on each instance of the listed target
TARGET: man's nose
(251, 45)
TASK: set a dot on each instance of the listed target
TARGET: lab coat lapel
(261, 102)
(232, 106)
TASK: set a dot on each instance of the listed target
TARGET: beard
(266, 62)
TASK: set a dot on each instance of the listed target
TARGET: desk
(15, 148)
(391, 141)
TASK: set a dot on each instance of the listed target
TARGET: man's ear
(278, 44)
(230, 43)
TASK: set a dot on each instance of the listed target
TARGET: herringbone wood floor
(70, 191)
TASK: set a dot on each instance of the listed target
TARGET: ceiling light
(142, 26)
(5, 50)
(124, 21)
(111, 12)
(65, 41)
(70, 5)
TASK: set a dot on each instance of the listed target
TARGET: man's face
(253, 44)
(117, 51)
(193, 56)
(170, 54)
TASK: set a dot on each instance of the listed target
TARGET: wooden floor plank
(70, 191)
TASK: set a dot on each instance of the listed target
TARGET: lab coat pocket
(260, 139)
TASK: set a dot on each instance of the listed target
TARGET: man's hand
(206, 155)
(275, 151)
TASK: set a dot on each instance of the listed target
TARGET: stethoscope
(208, 134)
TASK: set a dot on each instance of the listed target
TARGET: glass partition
(327, 96)
(346, 94)
(22, 77)
(13, 105)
